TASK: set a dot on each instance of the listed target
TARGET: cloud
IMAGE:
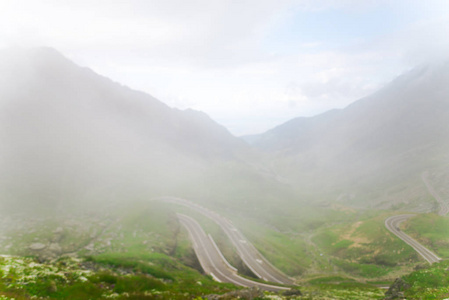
(205, 32)
(221, 56)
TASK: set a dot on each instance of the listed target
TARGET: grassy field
(431, 230)
(131, 277)
(281, 237)
(332, 250)
(104, 277)
(140, 252)
(365, 248)
(343, 241)
(287, 252)
(430, 282)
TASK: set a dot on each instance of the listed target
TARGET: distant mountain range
(69, 134)
(398, 131)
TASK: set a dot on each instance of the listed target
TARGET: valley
(139, 200)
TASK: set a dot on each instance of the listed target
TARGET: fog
(70, 136)
(124, 171)
(392, 135)
(287, 58)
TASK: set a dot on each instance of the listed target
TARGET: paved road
(443, 205)
(392, 224)
(213, 262)
(255, 261)
(252, 258)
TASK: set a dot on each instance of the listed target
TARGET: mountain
(69, 133)
(397, 132)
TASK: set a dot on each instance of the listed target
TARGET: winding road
(392, 224)
(213, 262)
(252, 258)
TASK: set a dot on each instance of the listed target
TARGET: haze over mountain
(69, 133)
(399, 131)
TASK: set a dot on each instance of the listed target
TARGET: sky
(249, 64)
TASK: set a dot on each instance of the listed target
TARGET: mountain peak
(36, 54)
(66, 128)
(403, 124)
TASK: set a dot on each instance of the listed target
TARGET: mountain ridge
(399, 131)
(66, 130)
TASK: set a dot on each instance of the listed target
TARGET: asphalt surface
(257, 263)
(213, 262)
(392, 224)
(443, 205)
(252, 258)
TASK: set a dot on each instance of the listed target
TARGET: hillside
(385, 139)
(69, 134)
(71, 139)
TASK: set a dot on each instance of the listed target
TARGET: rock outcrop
(396, 290)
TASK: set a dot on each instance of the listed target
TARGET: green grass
(287, 252)
(431, 230)
(146, 241)
(431, 282)
(330, 279)
(142, 250)
(342, 291)
(24, 278)
(154, 264)
(362, 270)
(144, 277)
(364, 248)
(150, 255)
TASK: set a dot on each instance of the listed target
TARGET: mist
(70, 136)
(223, 150)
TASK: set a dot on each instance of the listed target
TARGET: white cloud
(215, 55)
